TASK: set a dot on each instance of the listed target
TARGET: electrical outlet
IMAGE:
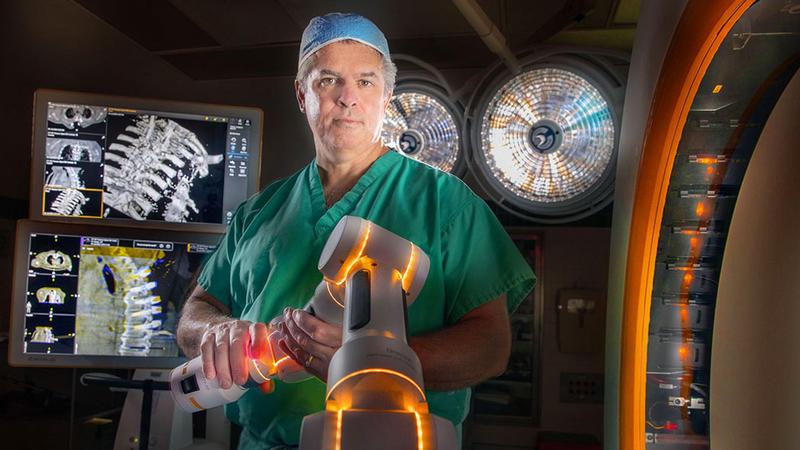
(581, 388)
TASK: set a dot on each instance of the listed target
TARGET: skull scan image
(152, 167)
(73, 150)
(75, 116)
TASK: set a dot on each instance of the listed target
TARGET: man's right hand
(226, 347)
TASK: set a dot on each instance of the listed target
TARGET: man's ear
(300, 95)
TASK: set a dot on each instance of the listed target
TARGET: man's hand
(226, 348)
(309, 341)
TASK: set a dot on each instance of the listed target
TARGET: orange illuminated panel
(701, 30)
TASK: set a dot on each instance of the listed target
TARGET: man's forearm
(196, 317)
(464, 354)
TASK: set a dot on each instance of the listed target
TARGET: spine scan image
(118, 312)
(65, 176)
(68, 203)
(152, 167)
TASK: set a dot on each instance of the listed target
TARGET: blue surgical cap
(334, 27)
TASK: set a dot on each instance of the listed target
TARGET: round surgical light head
(424, 126)
(546, 142)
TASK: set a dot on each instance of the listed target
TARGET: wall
(572, 258)
(755, 402)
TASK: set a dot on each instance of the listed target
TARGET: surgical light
(424, 126)
(545, 140)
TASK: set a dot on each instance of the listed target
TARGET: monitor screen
(101, 297)
(117, 160)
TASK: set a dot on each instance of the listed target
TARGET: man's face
(344, 99)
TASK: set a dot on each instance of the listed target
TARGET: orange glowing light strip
(365, 371)
(352, 261)
(271, 350)
(275, 367)
(407, 285)
(194, 402)
(333, 297)
(255, 366)
(339, 430)
(701, 29)
(419, 431)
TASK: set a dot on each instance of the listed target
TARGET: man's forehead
(330, 72)
(345, 58)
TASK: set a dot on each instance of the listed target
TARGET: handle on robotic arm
(192, 391)
(327, 303)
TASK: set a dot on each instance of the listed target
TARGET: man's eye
(366, 83)
(327, 81)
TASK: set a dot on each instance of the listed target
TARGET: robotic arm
(375, 387)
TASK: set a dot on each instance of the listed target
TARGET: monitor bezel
(41, 99)
(16, 355)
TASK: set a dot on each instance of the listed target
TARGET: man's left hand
(310, 341)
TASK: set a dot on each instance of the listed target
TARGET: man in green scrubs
(265, 265)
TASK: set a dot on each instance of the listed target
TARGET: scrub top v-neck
(329, 217)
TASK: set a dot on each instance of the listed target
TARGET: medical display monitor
(165, 164)
(87, 296)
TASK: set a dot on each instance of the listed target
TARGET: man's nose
(348, 96)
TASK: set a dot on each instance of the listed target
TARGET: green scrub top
(267, 260)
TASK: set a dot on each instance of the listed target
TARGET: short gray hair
(389, 69)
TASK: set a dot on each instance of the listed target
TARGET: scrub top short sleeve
(480, 262)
